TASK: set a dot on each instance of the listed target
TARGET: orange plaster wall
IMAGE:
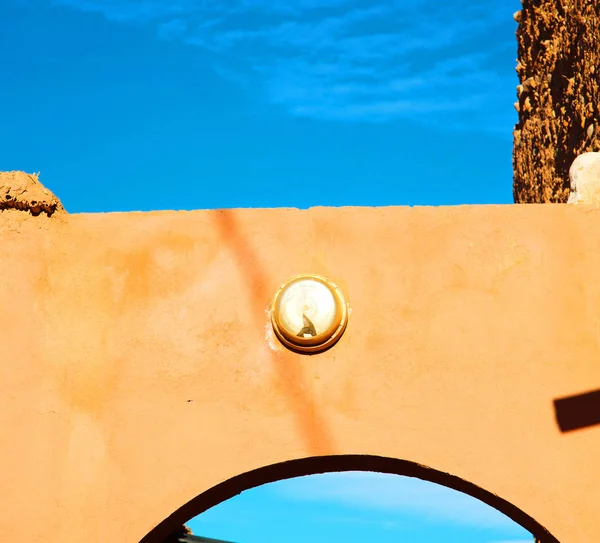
(138, 367)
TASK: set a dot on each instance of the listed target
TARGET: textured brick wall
(558, 95)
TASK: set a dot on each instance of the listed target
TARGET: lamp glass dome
(309, 313)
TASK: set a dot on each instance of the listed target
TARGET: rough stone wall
(558, 95)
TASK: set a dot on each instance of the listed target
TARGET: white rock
(584, 175)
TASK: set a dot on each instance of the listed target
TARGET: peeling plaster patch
(270, 337)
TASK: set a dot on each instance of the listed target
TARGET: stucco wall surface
(138, 368)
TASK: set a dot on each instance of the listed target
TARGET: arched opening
(339, 463)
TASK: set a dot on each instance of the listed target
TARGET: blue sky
(357, 507)
(127, 105)
(183, 104)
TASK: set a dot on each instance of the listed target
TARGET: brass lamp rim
(321, 341)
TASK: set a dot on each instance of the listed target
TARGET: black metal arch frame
(338, 463)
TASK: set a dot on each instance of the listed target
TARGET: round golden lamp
(309, 313)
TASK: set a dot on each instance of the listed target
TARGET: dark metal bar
(579, 411)
(199, 539)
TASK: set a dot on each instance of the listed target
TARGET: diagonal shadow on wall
(311, 424)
